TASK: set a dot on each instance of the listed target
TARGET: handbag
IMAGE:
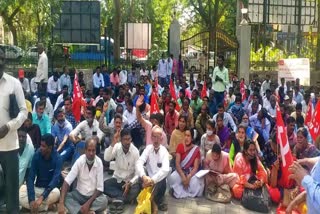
(256, 199)
(220, 193)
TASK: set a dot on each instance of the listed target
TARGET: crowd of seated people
(235, 140)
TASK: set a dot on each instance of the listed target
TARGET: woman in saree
(248, 166)
(183, 181)
(237, 143)
(218, 162)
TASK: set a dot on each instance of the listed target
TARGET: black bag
(14, 108)
(256, 199)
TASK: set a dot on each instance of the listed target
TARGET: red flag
(173, 94)
(204, 90)
(154, 108)
(314, 124)
(309, 113)
(286, 155)
(77, 99)
(172, 90)
(242, 90)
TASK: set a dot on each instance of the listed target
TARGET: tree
(116, 28)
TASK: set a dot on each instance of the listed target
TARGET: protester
(183, 181)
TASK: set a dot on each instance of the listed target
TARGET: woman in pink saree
(218, 161)
(183, 181)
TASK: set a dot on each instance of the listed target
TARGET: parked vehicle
(32, 52)
(12, 52)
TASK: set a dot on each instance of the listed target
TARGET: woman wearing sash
(183, 181)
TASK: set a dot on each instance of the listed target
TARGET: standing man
(220, 79)
(87, 197)
(162, 71)
(42, 69)
(9, 143)
(65, 79)
(156, 158)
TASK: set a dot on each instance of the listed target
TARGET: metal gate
(198, 58)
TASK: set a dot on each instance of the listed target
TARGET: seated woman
(183, 181)
(208, 139)
(237, 143)
(218, 161)
(223, 133)
(277, 183)
(248, 166)
(178, 134)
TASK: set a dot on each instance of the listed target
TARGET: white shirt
(162, 68)
(25, 85)
(33, 85)
(157, 164)
(123, 77)
(154, 74)
(87, 181)
(144, 72)
(124, 163)
(86, 131)
(264, 86)
(266, 103)
(272, 111)
(98, 81)
(53, 86)
(170, 66)
(58, 102)
(48, 110)
(10, 85)
(130, 116)
(42, 69)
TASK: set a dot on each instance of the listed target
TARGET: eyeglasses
(245, 118)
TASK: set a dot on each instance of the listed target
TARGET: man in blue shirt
(310, 182)
(46, 167)
(41, 119)
(60, 131)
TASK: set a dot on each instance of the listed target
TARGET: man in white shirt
(53, 88)
(144, 71)
(162, 71)
(130, 112)
(123, 187)
(42, 69)
(272, 110)
(87, 197)
(169, 69)
(86, 129)
(265, 85)
(123, 76)
(156, 158)
(98, 81)
(9, 143)
(119, 110)
(65, 79)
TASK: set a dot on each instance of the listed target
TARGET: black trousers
(10, 166)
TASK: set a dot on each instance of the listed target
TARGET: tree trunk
(13, 30)
(116, 30)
